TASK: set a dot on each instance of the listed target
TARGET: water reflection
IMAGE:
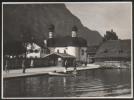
(88, 83)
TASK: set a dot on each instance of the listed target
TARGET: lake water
(87, 83)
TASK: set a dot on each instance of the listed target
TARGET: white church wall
(61, 49)
(33, 46)
(33, 54)
(83, 55)
(74, 51)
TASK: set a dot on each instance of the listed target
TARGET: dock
(43, 71)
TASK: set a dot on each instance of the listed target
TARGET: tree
(110, 35)
(13, 48)
(26, 36)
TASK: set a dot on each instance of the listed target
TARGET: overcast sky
(105, 16)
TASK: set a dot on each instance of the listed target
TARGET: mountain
(34, 19)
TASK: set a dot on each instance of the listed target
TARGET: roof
(66, 41)
(92, 49)
(114, 48)
(40, 43)
(62, 55)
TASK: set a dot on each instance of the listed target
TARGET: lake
(87, 83)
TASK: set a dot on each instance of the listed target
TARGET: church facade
(72, 45)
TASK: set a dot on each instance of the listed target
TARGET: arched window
(58, 51)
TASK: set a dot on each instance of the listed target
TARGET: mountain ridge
(35, 19)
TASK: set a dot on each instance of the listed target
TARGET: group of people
(74, 65)
(23, 67)
(66, 63)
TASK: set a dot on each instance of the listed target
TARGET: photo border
(3, 3)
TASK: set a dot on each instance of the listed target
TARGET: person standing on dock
(32, 63)
(75, 67)
(85, 63)
(23, 66)
(6, 66)
(66, 65)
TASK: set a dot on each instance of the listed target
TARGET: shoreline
(17, 73)
(43, 71)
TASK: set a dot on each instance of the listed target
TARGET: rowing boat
(57, 74)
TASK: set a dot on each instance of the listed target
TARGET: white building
(72, 45)
(35, 51)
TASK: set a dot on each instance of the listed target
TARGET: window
(31, 51)
(47, 51)
(36, 57)
(36, 51)
(65, 51)
(57, 50)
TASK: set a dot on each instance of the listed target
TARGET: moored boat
(57, 74)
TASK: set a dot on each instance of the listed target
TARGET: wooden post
(23, 65)
(6, 66)
(32, 63)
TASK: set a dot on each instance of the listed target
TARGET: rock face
(34, 19)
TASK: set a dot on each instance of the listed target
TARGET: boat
(57, 74)
(61, 73)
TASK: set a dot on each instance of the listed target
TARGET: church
(72, 45)
(58, 49)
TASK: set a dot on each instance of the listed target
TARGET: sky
(105, 16)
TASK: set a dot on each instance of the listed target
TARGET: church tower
(51, 31)
(74, 31)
